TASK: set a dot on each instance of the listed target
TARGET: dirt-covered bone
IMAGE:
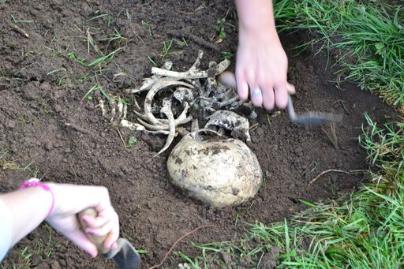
(152, 92)
(183, 95)
(230, 121)
(166, 110)
(149, 82)
(191, 73)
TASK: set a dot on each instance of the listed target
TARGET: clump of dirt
(46, 122)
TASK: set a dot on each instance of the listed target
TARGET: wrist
(256, 21)
(44, 191)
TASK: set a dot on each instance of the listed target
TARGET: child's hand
(261, 69)
(71, 200)
(262, 65)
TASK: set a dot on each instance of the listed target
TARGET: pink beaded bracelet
(35, 182)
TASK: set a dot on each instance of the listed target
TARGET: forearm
(254, 15)
(28, 208)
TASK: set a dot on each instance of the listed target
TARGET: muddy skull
(217, 171)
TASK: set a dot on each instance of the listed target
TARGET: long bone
(149, 82)
(192, 74)
(166, 110)
(138, 127)
(197, 63)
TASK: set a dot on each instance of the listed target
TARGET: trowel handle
(97, 240)
(228, 79)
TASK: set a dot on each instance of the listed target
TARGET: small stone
(63, 263)
(35, 260)
(57, 108)
(45, 86)
(58, 2)
(30, 93)
(55, 265)
(90, 106)
(57, 145)
(59, 94)
(85, 8)
(48, 145)
(10, 124)
(42, 265)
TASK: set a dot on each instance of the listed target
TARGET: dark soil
(42, 89)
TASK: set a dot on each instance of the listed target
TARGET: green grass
(25, 257)
(6, 163)
(220, 29)
(96, 88)
(166, 49)
(132, 141)
(368, 37)
(17, 21)
(149, 27)
(100, 60)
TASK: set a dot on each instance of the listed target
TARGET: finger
(291, 88)
(281, 96)
(110, 241)
(80, 239)
(228, 79)
(256, 96)
(268, 97)
(100, 231)
(96, 222)
(242, 86)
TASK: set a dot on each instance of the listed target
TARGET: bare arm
(261, 68)
(59, 206)
(255, 15)
(25, 214)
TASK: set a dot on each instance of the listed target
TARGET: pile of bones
(193, 94)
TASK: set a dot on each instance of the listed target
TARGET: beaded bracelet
(35, 182)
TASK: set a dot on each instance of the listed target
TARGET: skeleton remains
(194, 93)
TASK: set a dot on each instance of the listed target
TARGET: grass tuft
(368, 38)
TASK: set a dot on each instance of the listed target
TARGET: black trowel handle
(97, 240)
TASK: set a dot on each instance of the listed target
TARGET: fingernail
(256, 92)
(90, 232)
(92, 254)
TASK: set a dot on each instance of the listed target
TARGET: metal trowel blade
(311, 118)
(125, 256)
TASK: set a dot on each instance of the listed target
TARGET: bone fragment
(191, 74)
(170, 138)
(152, 92)
(230, 121)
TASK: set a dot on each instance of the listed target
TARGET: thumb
(290, 88)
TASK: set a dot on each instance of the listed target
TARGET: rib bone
(170, 138)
